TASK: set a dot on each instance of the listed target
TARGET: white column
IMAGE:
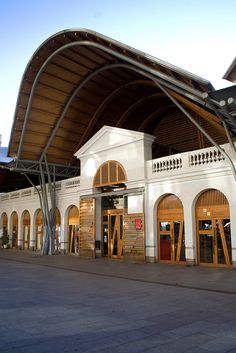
(9, 229)
(233, 231)
(64, 234)
(150, 229)
(190, 235)
(20, 232)
(32, 235)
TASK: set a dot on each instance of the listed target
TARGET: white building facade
(125, 205)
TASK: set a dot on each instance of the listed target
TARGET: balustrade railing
(15, 195)
(72, 183)
(26, 192)
(205, 157)
(170, 163)
(4, 197)
(60, 186)
(185, 161)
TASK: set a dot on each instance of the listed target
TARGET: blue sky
(198, 36)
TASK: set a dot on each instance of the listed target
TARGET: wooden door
(115, 229)
(171, 239)
(214, 241)
(213, 229)
(14, 230)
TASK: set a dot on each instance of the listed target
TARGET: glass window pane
(177, 234)
(165, 226)
(205, 224)
(206, 248)
(227, 235)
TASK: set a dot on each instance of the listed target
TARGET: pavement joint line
(178, 285)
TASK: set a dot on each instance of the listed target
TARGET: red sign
(138, 224)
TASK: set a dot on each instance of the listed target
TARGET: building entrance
(171, 230)
(213, 229)
(115, 233)
(112, 226)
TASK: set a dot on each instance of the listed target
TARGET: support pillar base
(151, 259)
(191, 262)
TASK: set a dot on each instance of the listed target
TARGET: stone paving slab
(63, 304)
(198, 277)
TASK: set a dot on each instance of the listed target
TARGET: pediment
(110, 137)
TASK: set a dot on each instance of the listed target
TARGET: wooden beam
(209, 117)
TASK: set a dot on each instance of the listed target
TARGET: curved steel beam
(199, 127)
(137, 67)
(134, 106)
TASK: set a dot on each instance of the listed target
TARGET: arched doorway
(26, 229)
(170, 230)
(110, 176)
(57, 245)
(73, 230)
(39, 229)
(14, 229)
(4, 241)
(213, 229)
(4, 223)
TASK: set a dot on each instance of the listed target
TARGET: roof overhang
(230, 74)
(79, 80)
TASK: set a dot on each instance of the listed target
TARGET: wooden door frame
(172, 236)
(215, 262)
(114, 212)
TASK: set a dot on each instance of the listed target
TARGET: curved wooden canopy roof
(78, 81)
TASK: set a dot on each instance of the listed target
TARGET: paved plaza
(59, 303)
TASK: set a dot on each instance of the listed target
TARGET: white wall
(133, 151)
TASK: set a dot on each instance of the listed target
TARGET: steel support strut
(199, 128)
(222, 119)
(48, 208)
(49, 217)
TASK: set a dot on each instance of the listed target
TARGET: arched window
(109, 173)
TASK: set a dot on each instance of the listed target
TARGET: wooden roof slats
(51, 92)
(132, 107)
(86, 52)
(47, 104)
(56, 82)
(54, 99)
(88, 98)
(66, 133)
(211, 118)
(133, 118)
(104, 55)
(149, 121)
(76, 56)
(43, 116)
(40, 128)
(65, 74)
(74, 125)
(63, 146)
(69, 62)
